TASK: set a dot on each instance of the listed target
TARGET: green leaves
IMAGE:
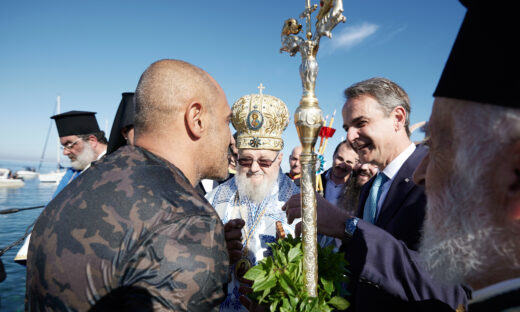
(339, 303)
(278, 280)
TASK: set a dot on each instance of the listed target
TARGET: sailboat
(55, 176)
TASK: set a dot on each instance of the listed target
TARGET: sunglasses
(264, 163)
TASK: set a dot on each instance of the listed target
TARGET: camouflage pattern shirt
(129, 234)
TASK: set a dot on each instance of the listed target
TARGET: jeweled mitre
(260, 120)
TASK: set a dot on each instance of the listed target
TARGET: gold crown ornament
(260, 120)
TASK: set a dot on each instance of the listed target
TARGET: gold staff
(309, 119)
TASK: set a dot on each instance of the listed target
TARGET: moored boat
(52, 177)
(6, 179)
(27, 173)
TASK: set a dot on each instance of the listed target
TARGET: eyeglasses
(69, 146)
(264, 163)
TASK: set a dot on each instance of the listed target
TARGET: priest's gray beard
(255, 193)
(461, 237)
(83, 159)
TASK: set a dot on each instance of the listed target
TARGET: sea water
(13, 226)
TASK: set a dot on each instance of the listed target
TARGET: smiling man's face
(369, 130)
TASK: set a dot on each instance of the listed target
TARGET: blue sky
(89, 52)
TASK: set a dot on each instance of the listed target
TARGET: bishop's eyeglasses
(264, 163)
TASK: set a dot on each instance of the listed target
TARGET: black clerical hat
(483, 65)
(76, 123)
(124, 118)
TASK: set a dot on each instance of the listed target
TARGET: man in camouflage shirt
(132, 233)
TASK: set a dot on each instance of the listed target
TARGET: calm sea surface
(13, 226)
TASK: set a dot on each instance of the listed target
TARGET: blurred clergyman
(122, 132)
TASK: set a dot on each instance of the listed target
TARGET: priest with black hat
(471, 176)
(82, 141)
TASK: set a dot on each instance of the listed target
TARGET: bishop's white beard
(255, 193)
(461, 239)
(84, 158)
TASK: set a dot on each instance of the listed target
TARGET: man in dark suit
(376, 118)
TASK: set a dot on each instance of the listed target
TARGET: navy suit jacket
(387, 276)
(402, 212)
(401, 216)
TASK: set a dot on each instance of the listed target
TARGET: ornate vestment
(260, 224)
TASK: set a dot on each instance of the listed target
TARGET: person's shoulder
(222, 193)
(417, 155)
(133, 174)
(286, 183)
(325, 174)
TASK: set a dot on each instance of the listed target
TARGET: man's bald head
(294, 161)
(164, 90)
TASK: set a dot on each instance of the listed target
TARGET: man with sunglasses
(250, 203)
(81, 141)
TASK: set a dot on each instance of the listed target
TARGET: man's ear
(399, 114)
(193, 120)
(280, 156)
(513, 192)
(93, 141)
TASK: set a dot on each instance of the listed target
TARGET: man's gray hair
(100, 136)
(386, 92)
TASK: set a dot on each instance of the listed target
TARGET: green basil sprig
(278, 280)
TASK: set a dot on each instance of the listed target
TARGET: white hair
(255, 193)
(465, 234)
(84, 158)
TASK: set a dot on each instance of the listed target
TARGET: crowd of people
(432, 226)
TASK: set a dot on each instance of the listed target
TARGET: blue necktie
(369, 213)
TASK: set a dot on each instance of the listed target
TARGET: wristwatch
(350, 227)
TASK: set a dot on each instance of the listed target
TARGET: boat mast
(56, 111)
(58, 100)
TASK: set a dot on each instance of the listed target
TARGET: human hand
(233, 236)
(330, 219)
(247, 302)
